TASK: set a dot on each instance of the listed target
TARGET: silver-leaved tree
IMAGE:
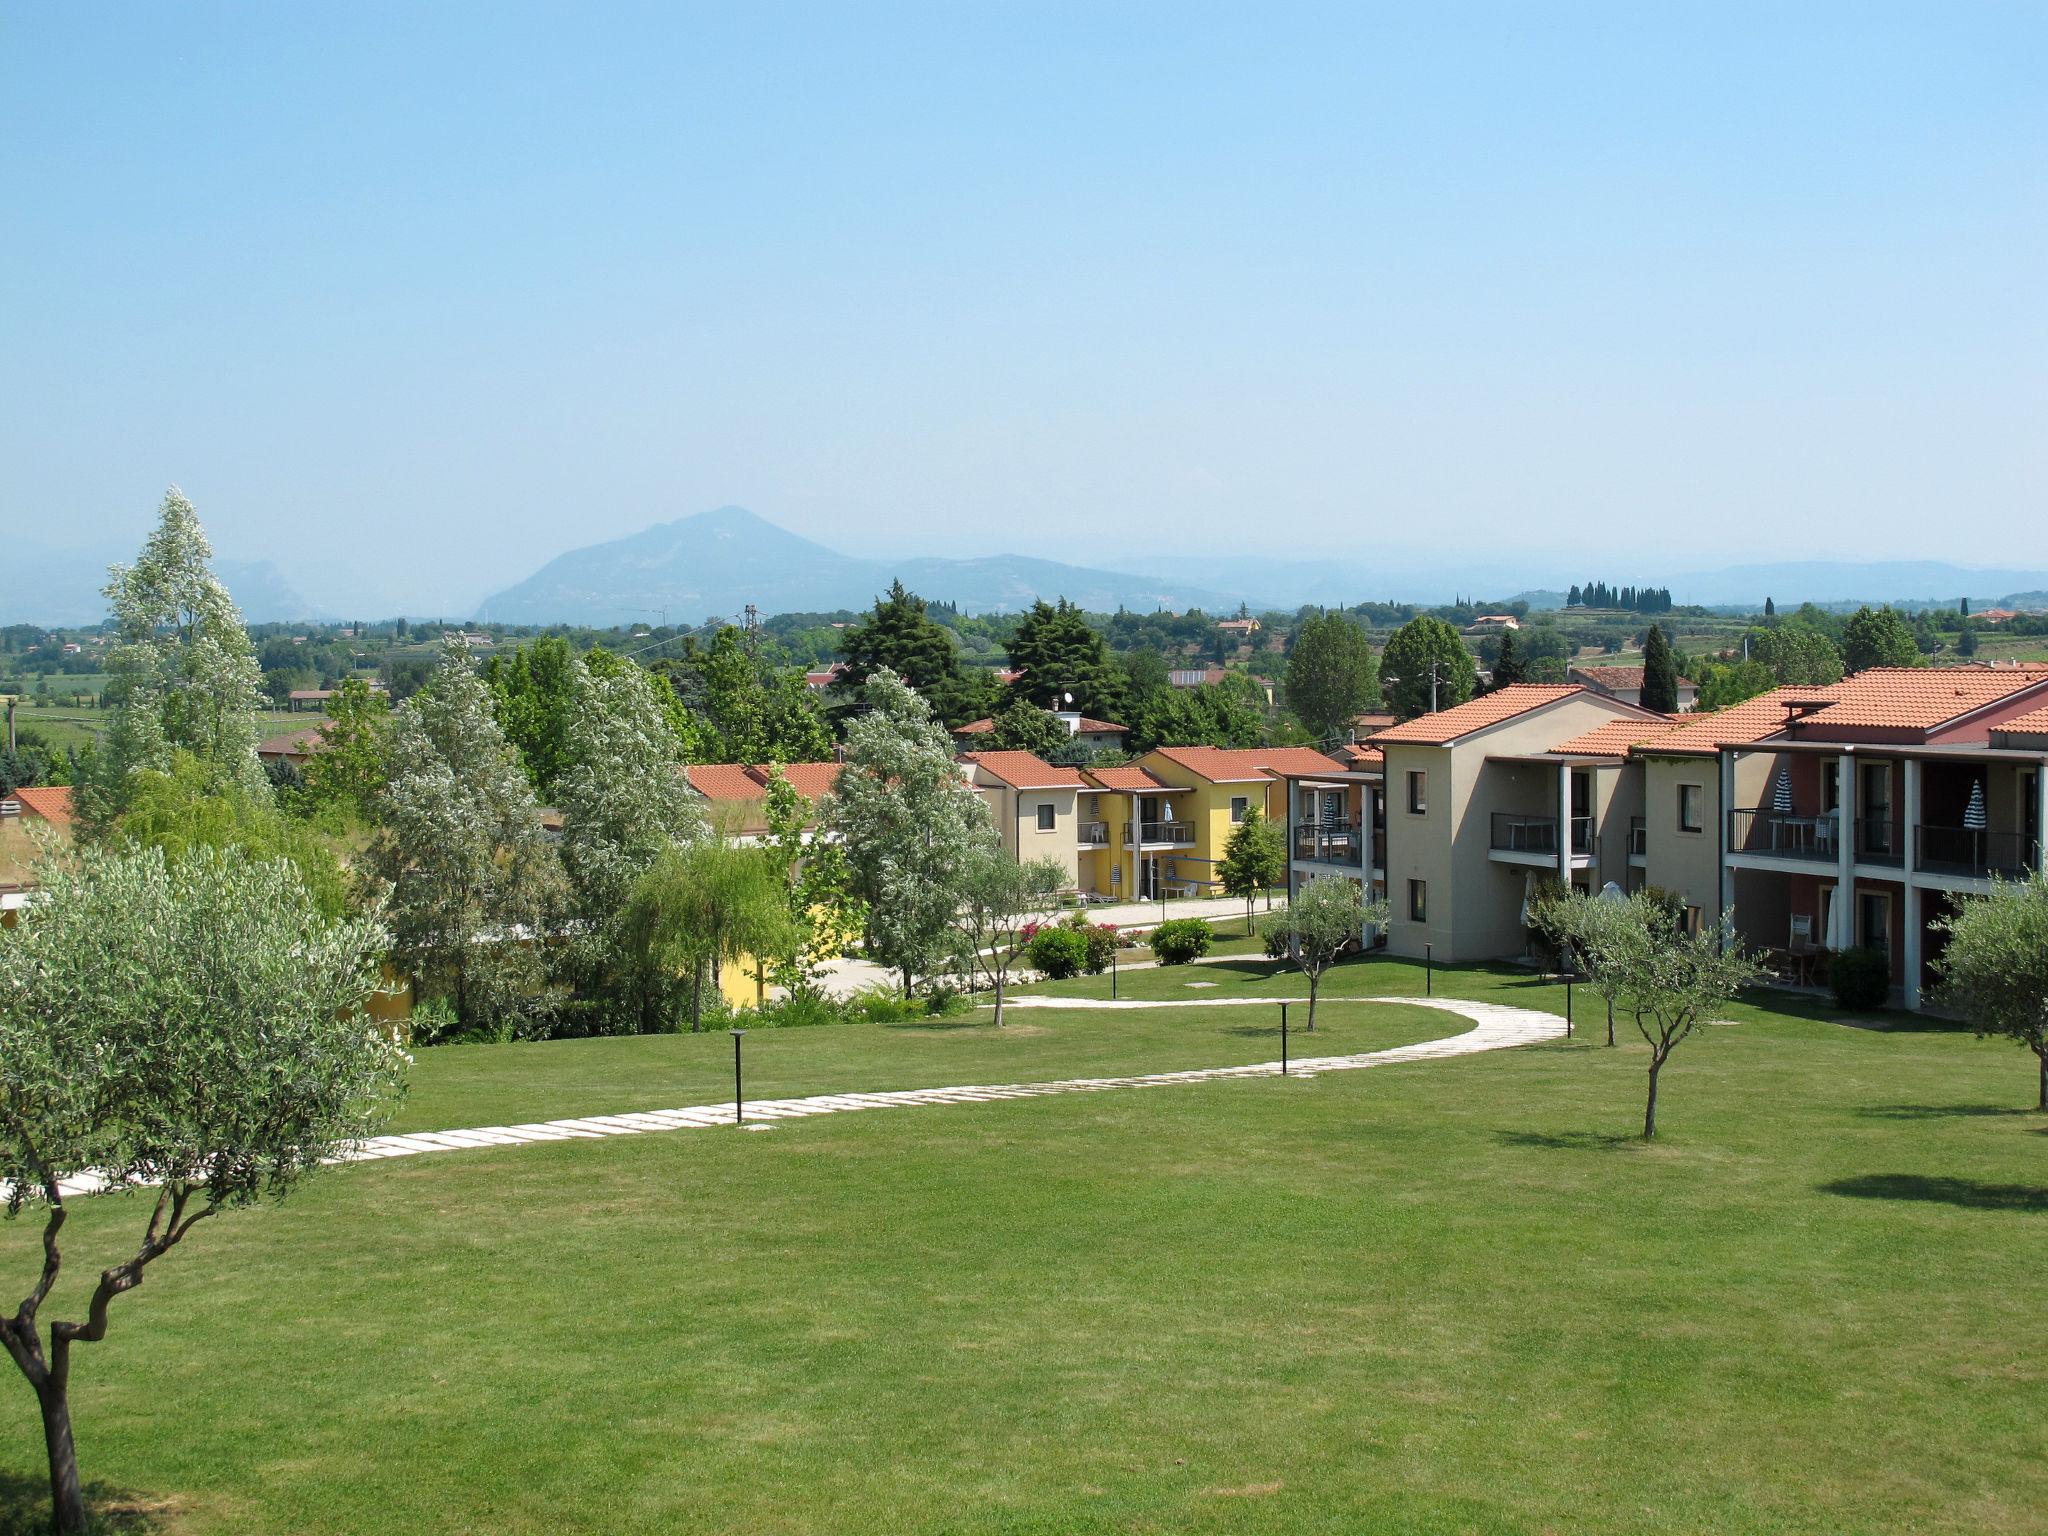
(473, 885)
(195, 1030)
(908, 823)
(182, 675)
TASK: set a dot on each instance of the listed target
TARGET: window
(1689, 808)
(1874, 921)
(1418, 792)
(1239, 804)
(1046, 813)
(1692, 920)
(1418, 901)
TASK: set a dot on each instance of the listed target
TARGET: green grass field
(1443, 1297)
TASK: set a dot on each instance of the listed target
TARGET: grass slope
(1447, 1297)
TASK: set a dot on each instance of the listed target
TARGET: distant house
(309, 698)
(1032, 804)
(1493, 623)
(1996, 615)
(1194, 677)
(20, 812)
(1626, 684)
(1244, 628)
(1363, 726)
(293, 747)
(824, 678)
(50, 803)
(737, 793)
(1087, 732)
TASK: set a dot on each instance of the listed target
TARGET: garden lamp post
(739, 1107)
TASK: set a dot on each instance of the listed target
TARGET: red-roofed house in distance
(1481, 805)
(1033, 804)
(27, 816)
(1626, 684)
(736, 794)
(1160, 824)
(1098, 735)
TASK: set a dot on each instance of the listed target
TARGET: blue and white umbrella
(1973, 813)
(1781, 796)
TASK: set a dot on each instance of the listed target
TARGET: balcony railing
(1094, 834)
(1974, 852)
(1784, 834)
(1638, 837)
(1330, 843)
(1175, 833)
(1538, 834)
(1880, 840)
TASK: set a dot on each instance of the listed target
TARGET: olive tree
(1597, 935)
(1672, 982)
(1324, 916)
(1994, 971)
(196, 1027)
(1000, 898)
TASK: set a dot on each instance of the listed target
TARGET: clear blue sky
(418, 295)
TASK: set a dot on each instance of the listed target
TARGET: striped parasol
(1973, 813)
(1781, 796)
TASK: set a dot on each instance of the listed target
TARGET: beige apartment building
(1033, 805)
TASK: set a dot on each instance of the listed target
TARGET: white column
(1724, 810)
(1909, 830)
(1564, 824)
(2041, 813)
(1845, 851)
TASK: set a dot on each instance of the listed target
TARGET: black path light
(1283, 1039)
(739, 1106)
(1429, 970)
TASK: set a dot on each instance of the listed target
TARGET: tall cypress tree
(1660, 673)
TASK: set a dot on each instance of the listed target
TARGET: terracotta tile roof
(303, 742)
(1194, 677)
(51, 802)
(1086, 727)
(1224, 765)
(1921, 698)
(1615, 737)
(1618, 678)
(1447, 725)
(1128, 777)
(1737, 725)
(2033, 723)
(1025, 770)
(749, 781)
(1359, 759)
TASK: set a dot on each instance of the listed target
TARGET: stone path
(1495, 1026)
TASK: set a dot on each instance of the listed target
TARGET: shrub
(1058, 953)
(800, 1010)
(883, 1004)
(433, 1021)
(1181, 940)
(946, 1002)
(1862, 979)
(1102, 941)
(1279, 941)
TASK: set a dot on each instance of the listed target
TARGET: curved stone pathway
(1495, 1026)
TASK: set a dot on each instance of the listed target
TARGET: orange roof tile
(1739, 724)
(303, 743)
(1618, 677)
(749, 781)
(2033, 723)
(1921, 698)
(1448, 725)
(1127, 777)
(1615, 737)
(52, 802)
(1026, 770)
(1086, 726)
(1226, 765)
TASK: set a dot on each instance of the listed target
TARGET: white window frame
(1698, 795)
(1048, 816)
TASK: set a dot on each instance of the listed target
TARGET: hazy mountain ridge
(65, 588)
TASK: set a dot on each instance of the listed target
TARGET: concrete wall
(1015, 812)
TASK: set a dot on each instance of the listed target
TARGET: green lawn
(1443, 1297)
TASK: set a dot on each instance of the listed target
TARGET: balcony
(1094, 834)
(1334, 842)
(1538, 834)
(1638, 838)
(1784, 834)
(1974, 853)
(1162, 834)
(1880, 840)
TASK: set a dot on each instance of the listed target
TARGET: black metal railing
(1880, 840)
(1162, 832)
(1335, 842)
(1786, 834)
(1513, 833)
(1974, 851)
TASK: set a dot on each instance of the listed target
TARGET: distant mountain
(62, 587)
(1841, 581)
(715, 563)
